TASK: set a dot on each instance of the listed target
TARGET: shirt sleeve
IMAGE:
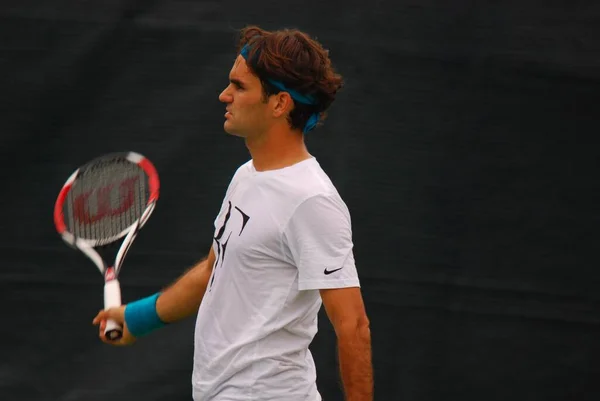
(319, 239)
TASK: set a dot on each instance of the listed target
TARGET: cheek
(248, 107)
(250, 111)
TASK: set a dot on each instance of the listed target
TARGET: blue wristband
(141, 317)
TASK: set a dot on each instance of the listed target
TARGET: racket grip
(112, 299)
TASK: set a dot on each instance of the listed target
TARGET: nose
(225, 96)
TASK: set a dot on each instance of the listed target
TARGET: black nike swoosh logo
(331, 271)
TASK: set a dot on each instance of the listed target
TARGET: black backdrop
(464, 145)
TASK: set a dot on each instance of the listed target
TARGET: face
(247, 115)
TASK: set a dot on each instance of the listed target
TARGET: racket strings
(106, 199)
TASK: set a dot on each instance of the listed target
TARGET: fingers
(103, 337)
(100, 320)
(116, 314)
(101, 333)
(102, 315)
(121, 341)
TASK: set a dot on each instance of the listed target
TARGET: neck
(277, 149)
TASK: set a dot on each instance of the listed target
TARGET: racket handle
(112, 298)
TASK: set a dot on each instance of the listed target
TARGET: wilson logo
(104, 208)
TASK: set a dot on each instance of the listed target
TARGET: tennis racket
(104, 200)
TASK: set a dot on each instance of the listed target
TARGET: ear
(282, 104)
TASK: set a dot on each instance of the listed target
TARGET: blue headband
(300, 98)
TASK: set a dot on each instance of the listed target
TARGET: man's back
(259, 313)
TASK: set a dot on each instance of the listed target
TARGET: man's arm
(178, 301)
(346, 311)
(182, 298)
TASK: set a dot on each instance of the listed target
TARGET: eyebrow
(236, 82)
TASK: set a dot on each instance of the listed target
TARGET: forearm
(183, 298)
(354, 350)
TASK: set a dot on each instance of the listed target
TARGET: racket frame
(112, 288)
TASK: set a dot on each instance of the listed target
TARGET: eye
(237, 84)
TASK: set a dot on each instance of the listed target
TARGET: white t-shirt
(280, 236)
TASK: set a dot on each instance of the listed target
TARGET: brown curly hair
(297, 60)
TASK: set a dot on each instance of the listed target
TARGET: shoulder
(323, 208)
(320, 222)
(316, 198)
(309, 180)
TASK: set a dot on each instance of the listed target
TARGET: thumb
(116, 314)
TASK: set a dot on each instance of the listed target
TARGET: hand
(118, 315)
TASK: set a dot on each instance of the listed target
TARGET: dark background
(464, 144)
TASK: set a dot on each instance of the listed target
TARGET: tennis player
(282, 243)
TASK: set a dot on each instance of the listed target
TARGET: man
(282, 245)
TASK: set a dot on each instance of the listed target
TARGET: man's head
(280, 78)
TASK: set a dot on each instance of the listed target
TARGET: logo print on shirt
(222, 245)
(331, 271)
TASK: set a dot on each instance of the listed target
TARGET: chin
(231, 130)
